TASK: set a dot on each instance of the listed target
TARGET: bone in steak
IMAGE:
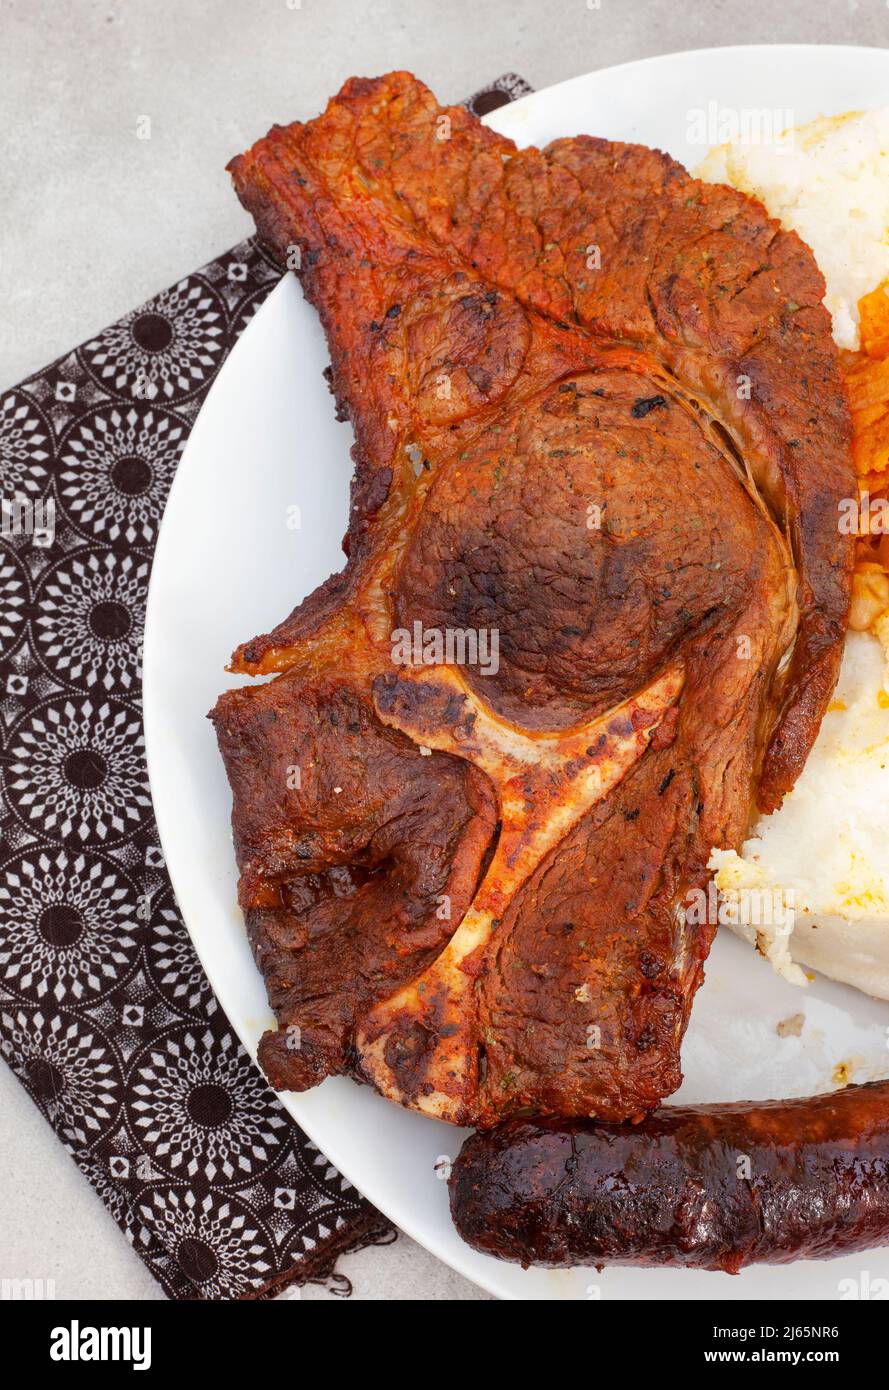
(598, 416)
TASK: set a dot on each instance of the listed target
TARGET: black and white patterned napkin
(105, 1013)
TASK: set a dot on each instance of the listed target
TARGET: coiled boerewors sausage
(709, 1186)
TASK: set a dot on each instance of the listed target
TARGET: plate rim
(798, 49)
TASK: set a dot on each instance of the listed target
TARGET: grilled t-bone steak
(598, 418)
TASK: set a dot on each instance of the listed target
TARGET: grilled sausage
(709, 1186)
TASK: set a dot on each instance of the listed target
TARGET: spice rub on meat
(597, 413)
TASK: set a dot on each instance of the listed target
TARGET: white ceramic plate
(227, 566)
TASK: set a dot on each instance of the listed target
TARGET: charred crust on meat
(561, 459)
(645, 406)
